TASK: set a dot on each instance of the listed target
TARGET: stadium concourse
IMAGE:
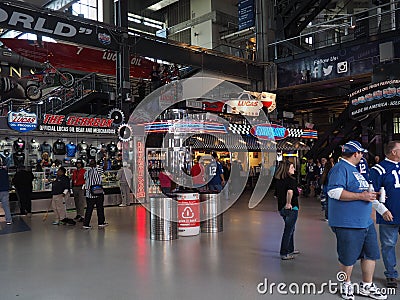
(42, 261)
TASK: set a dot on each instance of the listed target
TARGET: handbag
(96, 190)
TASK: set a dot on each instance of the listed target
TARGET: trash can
(188, 213)
(163, 216)
(210, 213)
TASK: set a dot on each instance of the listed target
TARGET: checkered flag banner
(239, 128)
(295, 132)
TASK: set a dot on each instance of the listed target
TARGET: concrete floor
(121, 262)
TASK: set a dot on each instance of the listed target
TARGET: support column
(124, 97)
(264, 35)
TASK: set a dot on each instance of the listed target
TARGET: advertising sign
(140, 190)
(269, 132)
(77, 124)
(17, 16)
(244, 107)
(22, 121)
(374, 97)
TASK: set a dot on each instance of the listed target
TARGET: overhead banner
(21, 17)
(374, 97)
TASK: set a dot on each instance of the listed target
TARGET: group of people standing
(312, 173)
(353, 191)
(216, 176)
(83, 184)
(213, 177)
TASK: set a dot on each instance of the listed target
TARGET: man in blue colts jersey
(387, 174)
(363, 168)
(350, 206)
(216, 173)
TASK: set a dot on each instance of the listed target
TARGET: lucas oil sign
(22, 121)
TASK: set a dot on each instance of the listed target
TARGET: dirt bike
(46, 78)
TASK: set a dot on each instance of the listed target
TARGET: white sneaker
(371, 291)
(347, 291)
(122, 205)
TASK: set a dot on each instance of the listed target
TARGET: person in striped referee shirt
(93, 177)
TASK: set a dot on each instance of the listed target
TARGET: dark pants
(289, 217)
(310, 182)
(24, 197)
(166, 190)
(90, 203)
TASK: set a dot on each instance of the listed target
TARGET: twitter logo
(327, 71)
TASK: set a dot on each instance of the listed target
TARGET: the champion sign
(22, 121)
(269, 132)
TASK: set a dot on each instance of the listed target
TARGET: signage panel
(246, 16)
(375, 97)
(140, 189)
(22, 121)
(185, 127)
(348, 61)
(269, 132)
(16, 16)
(188, 214)
(244, 107)
(77, 124)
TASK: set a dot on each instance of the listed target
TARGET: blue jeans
(289, 217)
(4, 198)
(388, 235)
(215, 187)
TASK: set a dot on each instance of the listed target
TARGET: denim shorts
(356, 243)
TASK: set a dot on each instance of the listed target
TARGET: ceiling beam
(139, 6)
(196, 56)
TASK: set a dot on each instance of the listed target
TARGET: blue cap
(353, 147)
